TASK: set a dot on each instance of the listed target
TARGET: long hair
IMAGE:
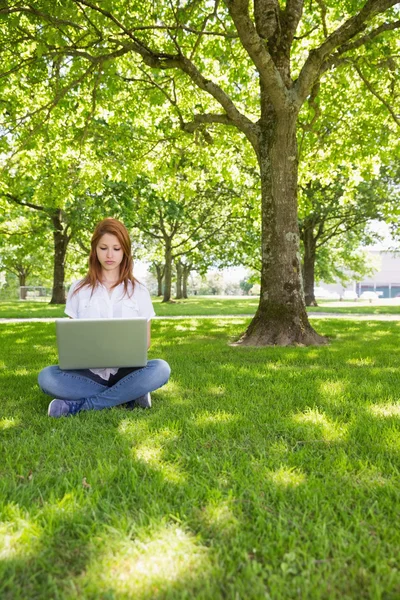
(93, 277)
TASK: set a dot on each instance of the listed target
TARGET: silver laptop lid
(101, 343)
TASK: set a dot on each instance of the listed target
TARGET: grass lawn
(259, 473)
(195, 306)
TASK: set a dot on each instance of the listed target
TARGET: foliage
(92, 68)
(24, 247)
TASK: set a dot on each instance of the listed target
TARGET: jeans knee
(44, 376)
(163, 369)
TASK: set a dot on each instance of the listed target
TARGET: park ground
(259, 472)
(208, 306)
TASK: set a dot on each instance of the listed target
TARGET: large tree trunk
(185, 277)
(167, 272)
(309, 265)
(179, 274)
(61, 240)
(281, 318)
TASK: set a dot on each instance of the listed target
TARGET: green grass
(259, 473)
(193, 306)
(357, 308)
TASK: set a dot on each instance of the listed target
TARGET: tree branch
(202, 31)
(201, 119)
(334, 231)
(311, 70)
(18, 67)
(15, 199)
(291, 18)
(266, 18)
(255, 47)
(375, 93)
(38, 13)
(322, 7)
(336, 59)
(205, 239)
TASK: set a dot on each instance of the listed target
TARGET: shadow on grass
(257, 470)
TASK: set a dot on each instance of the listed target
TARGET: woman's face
(109, 252)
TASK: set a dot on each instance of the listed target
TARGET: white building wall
(386, 277)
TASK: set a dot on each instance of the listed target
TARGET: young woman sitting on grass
(109, 290)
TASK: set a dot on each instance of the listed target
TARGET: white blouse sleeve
(71, 307)
(146, 309)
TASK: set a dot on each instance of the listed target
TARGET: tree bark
(185, 277)
(22, 282)
(281, 318)
(309, 264)
(160, 275)
(179, 275)
(167, 272)
(61, 240)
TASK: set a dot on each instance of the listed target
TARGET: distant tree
(335, 211)
(246, 285)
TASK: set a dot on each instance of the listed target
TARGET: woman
(109, 290)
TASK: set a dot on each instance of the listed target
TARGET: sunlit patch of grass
(361, 362)
(147, 567)
(152, 453)
(330, 430)
(134, 430)
(367, 477)
(286, 477)
(385, 410)
(6, 422)
(219, 516)
(332, 389)
(18, 534)
(219, 416)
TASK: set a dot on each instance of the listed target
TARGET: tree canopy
(256, 68)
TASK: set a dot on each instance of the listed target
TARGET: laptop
(101, 343)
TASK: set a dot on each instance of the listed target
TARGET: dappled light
(385, 410)
(218, 416)
(361, 362)
(285, 477)
(19, 534)
(7, 423)
(218, 515)
(243, 450)
(147, 566)
(330, 431)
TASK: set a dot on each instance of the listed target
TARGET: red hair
(113, 227)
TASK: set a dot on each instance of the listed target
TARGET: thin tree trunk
(61, 240)
(281, 317)
(167, 272)
(309, 265)
(22, 282)
(179, 274)
(185, 277)
(160, 275)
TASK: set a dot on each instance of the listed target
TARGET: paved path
(321, 315)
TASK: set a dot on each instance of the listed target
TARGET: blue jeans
(126, 385)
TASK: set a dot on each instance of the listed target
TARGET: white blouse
(102, 305)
